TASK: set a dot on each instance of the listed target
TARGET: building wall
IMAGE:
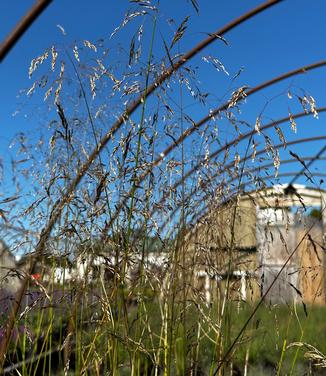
(268, 225)
(312, 267)
(9, 275)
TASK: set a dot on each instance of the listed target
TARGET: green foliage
(316, 213)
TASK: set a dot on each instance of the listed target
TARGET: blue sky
(287, 36)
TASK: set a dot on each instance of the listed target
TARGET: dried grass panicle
(314, 355)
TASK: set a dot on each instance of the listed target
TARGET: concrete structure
(247, 242)
(10, 280)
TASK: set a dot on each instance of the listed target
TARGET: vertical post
(323, 224)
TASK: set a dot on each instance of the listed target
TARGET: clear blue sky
(287, 36)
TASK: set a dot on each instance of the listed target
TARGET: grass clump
(139, 258)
